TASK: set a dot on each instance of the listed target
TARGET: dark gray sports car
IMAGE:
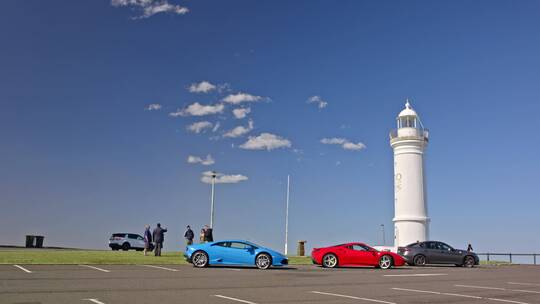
(433, 252)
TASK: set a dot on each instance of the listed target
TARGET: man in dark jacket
(208, 234)
(189, 235)
(159, 237)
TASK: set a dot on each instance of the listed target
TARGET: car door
(449, 255)
(219, 253)
(433, 254)
(362, 255)
(134, 241)
(241, 253)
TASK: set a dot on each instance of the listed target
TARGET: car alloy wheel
(263, 261)
(199, 259)
(385, 262)
(419, 260)
(468, 262)
(330, 260)
(126, 246)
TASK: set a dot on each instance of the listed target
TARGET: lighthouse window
(407, 122)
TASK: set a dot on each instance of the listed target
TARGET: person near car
(201, 236)
(208, 234)
(189, 235)
(469, 248)
(159, 237)
(147, 239)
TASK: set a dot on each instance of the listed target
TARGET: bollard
(510, 258)
(534, 258)
(301, 250)
(488, 257)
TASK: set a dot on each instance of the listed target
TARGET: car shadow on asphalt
(252, 268)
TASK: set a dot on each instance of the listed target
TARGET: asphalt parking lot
(110, 284)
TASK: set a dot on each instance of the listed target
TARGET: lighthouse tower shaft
(409, 140)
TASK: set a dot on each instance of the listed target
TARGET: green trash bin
(39, 241)
(30, 241)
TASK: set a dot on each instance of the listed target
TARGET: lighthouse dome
(408, 111)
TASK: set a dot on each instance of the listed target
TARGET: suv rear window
(133, 236)
(120, 235)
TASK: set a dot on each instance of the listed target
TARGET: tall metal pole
(383, 235)
(287, 215)
(212, 199)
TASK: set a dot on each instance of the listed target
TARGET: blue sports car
(233, 252)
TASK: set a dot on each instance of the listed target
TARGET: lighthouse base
(410, 230)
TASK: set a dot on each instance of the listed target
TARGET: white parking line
(93, 301)
(526, 284)
(507, 301)
(234, 299)
(351, 297)
(480, 287)
(523, 290)
(23, 269)
(96, 268)
(159, 267)
(458, 295)
(497, 288)
(415, 275)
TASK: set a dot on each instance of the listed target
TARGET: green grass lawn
(62, 256)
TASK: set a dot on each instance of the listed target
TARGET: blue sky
(82, 156)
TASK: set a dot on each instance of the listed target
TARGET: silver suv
(127, 241)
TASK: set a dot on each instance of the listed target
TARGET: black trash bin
(39, 241)
(30, 241)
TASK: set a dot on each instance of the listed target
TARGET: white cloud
(200, 126)
(238, 98)
(333, 141)
(344, 143)
(222, 178)
(197, 109)
(318, 101)
(202, 87)
(216, 126)
(241, 112)
(239, 131)
(352, 146)
(149, 8)
(266, 141)
(203, 161)
(153, 107)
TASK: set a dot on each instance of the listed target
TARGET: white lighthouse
(409, 140)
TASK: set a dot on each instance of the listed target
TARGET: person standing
(201, 236)
(159, 237)
(147, 239)
(469, 248)
(208, 234)
(189, 235)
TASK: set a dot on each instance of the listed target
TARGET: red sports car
(355, 254)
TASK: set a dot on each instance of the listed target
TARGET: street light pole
(287, 215)
(212, 198)
(383, 235)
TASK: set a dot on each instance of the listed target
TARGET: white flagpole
(287, 216)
